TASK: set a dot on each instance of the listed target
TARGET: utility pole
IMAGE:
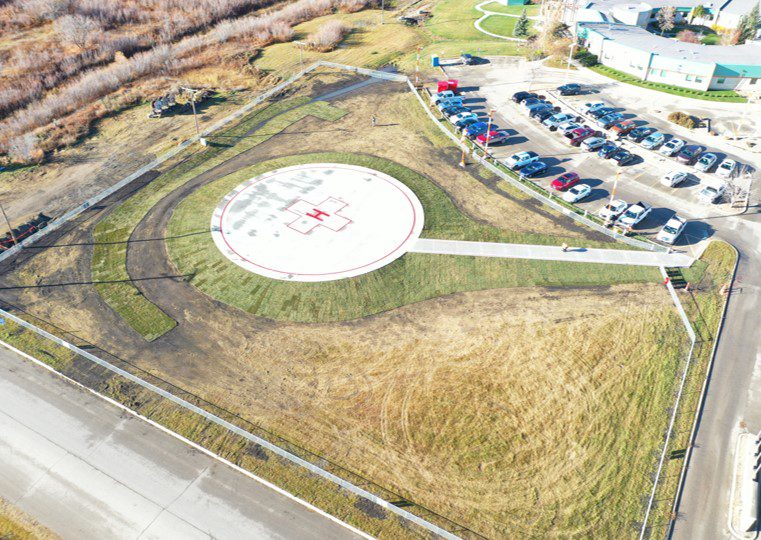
(383, 8)
(8, 222)
(488, 133)
(568, 67)
(300, 45)
(417, 66)
(463, 140)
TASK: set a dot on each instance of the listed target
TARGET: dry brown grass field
(520, 411)
(16, 525)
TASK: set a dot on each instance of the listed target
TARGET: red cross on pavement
(311, 215)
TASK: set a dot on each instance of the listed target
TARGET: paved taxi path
(551, 253)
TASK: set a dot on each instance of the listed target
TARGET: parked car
(441, 96)
(674, 178)
(540, 110)
(528, 102)
(712, 193)
(601, 111)
(567, 127)
(494, 137)
(577, 192)
(565, 180)
(654, 140)
(521, 159)
(608, 149)
(571, 89)
(462, 116)
(592, 143)
(577, 136)
(689, 154)
(637, 134)
(610, 120)
(671, 230)
(622, 157)
(706, 161)
(465, 124)
(613, 209)
(474, 130)
(622, 128)
(674, 146)
(454, 109)
(727, 168)
(466, 59)
(589, 107)
(634, 215)
(449, 102)
(532, 169)
(538, 105)
(521, 96)
(556, 119)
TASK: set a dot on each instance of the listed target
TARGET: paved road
(551, 253)
(87, 469)
(734, 393)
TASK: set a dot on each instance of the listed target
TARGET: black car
(607, 150)
(602, 111)
(572, 89)
(466, 59)
(637, 134)
(622, 157)
(518, 97)
(532, 169)
(542, 114)
(541, 109)
(454, 109)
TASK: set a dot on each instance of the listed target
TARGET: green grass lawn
(412, 278)
(502, 26)
(112, 234)
(711, 39)
(709, 95)
(531, 9)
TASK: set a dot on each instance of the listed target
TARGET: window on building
(753, 81)
(688, 77)
(720, 81)
(663, 73)
(698, 79)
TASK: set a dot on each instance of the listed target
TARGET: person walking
(564, 247)
(374, 120)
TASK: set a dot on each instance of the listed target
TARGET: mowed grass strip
(112, 235)
(412, 278)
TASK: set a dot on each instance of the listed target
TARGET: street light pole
(570, 57)
(488, 133)
(383, 8)
(8, 222)
(463, 140)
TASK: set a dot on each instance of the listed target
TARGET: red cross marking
(311, 215)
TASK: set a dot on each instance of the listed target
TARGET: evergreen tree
(749, 24)
(521, 27)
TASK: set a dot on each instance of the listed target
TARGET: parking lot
(492, 84)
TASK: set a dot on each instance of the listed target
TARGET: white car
(589, 107)
(727, 168)
(613, 209)
(674, 146)
(671, 230)
(521, 159)
(446, 94)
(567, 127)
(712, 193)
(674, 178)
(706, 161)
(577, 192)
(557, 119)
(462, 116)
(633, 215)
(592, 143)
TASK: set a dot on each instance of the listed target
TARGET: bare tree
(666, 18)
(23, 149)
(76, 29)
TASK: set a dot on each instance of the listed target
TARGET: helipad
(317, 222)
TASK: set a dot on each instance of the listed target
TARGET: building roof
(738, 7)
(639, 38)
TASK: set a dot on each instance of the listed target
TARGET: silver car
(706, 161)
(651, 142)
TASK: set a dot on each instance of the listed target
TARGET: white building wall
(623, 58)
(695, 75)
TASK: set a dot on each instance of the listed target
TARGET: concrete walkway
(551, 253)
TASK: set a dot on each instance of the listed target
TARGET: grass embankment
(502, 26)
(112, 234)
(360, 513)
(532, 10)
(708, 95)
(412, 278)
(704, 306)
(16, 525)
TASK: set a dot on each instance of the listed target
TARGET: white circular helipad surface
(317, 222)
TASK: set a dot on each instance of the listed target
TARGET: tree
(76, 29)
(698, 12)
(521, 27)
(688, 36)
(560, 30)
(749, 25)
(730, 37)
(666, 18)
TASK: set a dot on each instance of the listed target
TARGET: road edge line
(190, 443)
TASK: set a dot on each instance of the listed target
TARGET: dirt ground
(490, 407)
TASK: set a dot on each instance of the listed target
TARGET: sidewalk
(551, 253)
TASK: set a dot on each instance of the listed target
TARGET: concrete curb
(733, 493)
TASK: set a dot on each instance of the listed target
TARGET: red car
(578, 135)
(495, 137)
(565, 180)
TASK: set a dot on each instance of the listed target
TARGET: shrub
(586, 58)
(23, 149)
(688, 36)
(328, 36)
(683, 119)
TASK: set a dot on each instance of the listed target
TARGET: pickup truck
(634, 215)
